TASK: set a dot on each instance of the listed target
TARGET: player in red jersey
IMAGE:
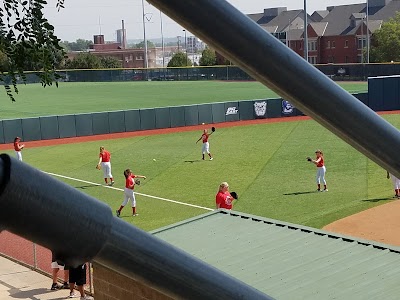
(105, 162)
(223, 199)
(396, 183)
(321, 170)
(128, 191)
(18, 148)
(206, 146)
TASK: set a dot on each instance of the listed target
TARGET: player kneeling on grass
(130, 183)
(224, 199)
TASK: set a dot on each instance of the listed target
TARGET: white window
(361, 42)
(312, 60)
(328, 45)
(312, 45)
(333, 44)
(139, 57)
(346, 44)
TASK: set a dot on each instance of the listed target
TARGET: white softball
(154, 159)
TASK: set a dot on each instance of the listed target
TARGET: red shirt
(17, 146)
(224, 200)
(204, 137)
(320, 162)
(105, 156)
(129, 182)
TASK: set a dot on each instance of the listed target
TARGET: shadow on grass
(193, 161)
(300, 193)
(86, 186)
(379, 199)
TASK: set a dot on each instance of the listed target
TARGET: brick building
(335, 35)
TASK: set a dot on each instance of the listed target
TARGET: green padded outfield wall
(391, 93)
(132, 120)
(116, 121)
(12, 129)
(375, 93)
(49, 127)
(31, 129)
(177, 116)
(218, 112)
(100, 123)
(84, 124)
(205, 113)
(191, 115)
(66, 126)
(274, 108)
(1, 133)
(246, 110)
(162, 117)
(147, 119)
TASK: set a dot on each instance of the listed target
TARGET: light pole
(367, 11)
(305, 32)
(162, 41)
(184, 30)
(146, 63)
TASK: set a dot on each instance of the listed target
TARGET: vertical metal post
(305, 32)
(162, 41)
(184, 30)
(287, 35)
(146, 63)
(362, 40)
(367, 11)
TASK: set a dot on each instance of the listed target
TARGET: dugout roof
(288, 261)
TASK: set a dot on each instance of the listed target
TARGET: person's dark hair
(127, 172)
(16, 138)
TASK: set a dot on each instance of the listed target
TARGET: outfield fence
(338, 72)
(87, 124)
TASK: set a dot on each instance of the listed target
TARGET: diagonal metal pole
(241, 40)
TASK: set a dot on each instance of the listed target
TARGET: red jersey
(320, 162)
(17, 146)
(105, 156)
(129, 182)
(204, 137)
(224, 200)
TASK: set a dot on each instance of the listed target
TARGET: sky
(81, 19)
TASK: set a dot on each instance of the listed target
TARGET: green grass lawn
(266, 164)
(69, 98)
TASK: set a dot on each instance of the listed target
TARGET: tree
(208, 57)
(141, 45)
(84, 61)
(26, 35)
(179, 60)
(385, 42)
(109, 62)
(78, 45)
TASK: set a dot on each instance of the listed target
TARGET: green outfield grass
(69, 98)
(266, 164)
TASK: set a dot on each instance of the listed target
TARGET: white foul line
(118, 189)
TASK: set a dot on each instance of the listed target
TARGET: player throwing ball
(128, 191)
(321, 170)
(206, 146)
(105, 164)
(18, 148)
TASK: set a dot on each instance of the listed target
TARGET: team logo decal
(231, 111)
(287, 107)
(260, 108)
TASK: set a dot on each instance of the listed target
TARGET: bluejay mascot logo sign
(287, 107)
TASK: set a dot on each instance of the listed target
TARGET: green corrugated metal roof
(288, 261)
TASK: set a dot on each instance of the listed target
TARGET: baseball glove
(234, 195)
(137, 181)
(309, 158)
(98, 167)
(213, 129)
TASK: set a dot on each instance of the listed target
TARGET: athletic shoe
(87, 298)
(135, 215)
(211, 158)
(118, 213)
(112, 183)
(55, 286)
(318, 190)
(325, 190)
(65, 286)
(73, 295)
